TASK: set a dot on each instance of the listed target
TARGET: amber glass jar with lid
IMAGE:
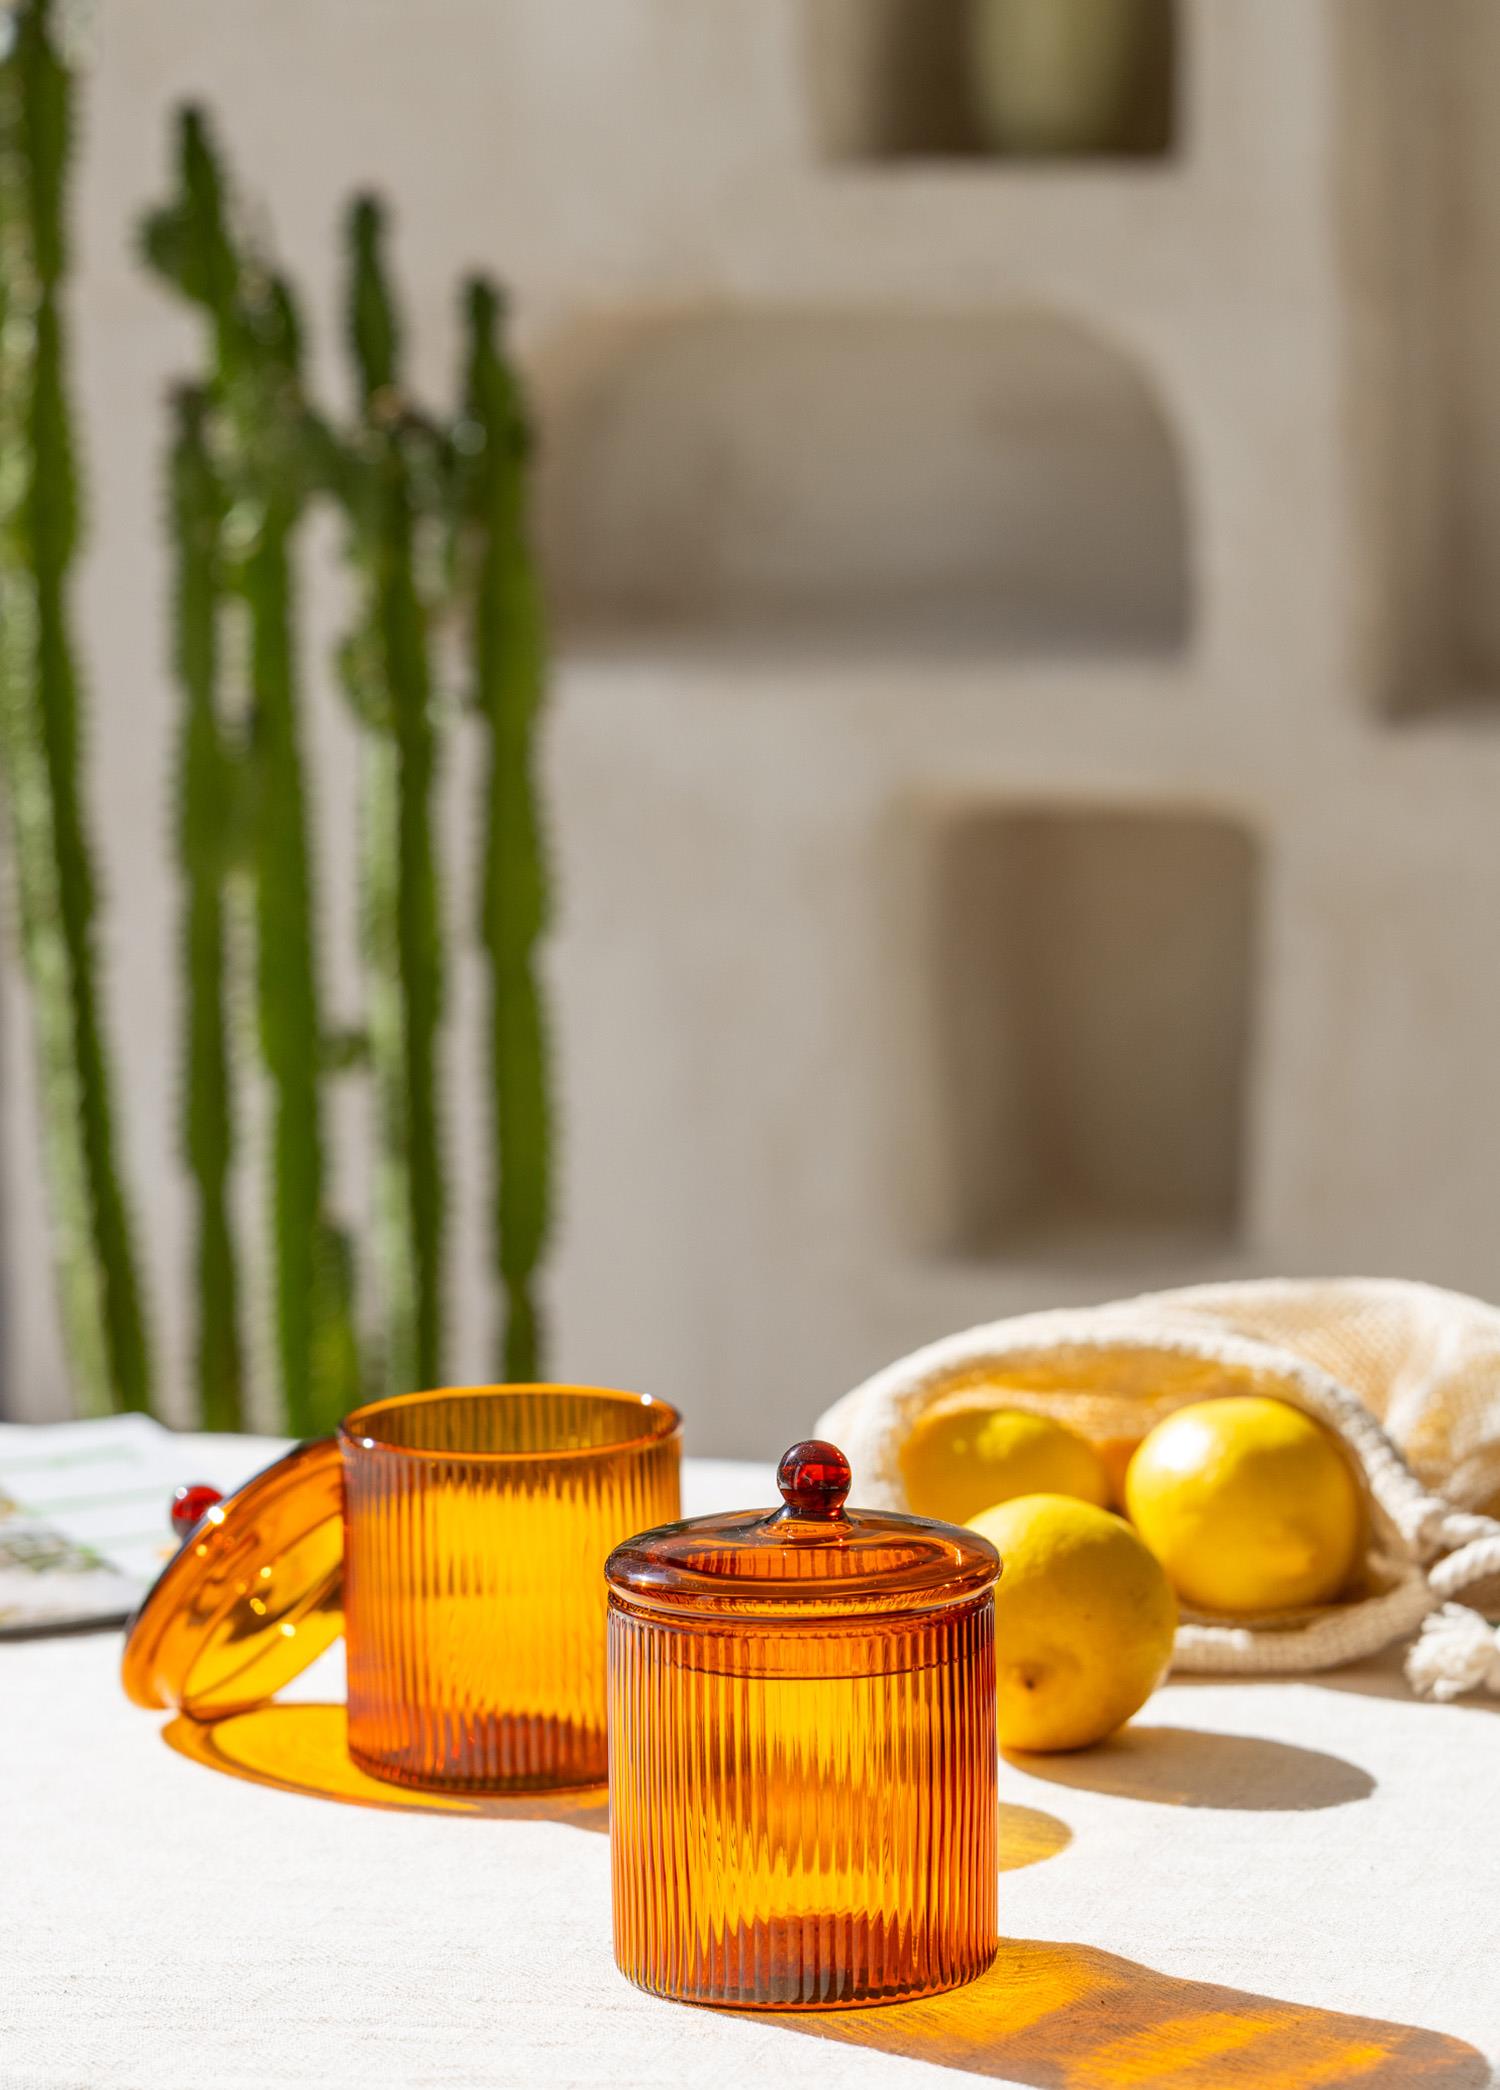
(802, 1751)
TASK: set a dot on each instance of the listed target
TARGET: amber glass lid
(811, 1558)
(252, 1598)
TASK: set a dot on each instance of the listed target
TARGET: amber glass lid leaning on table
(254, 1596)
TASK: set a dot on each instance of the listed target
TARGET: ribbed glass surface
(803, 1816)
(477, 1524)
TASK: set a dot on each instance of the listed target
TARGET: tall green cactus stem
(285, 980)
(388, 670)
(509, 667)
(207, 820)
(40, 731)
(267, 443)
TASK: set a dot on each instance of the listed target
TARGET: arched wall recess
(868, 479)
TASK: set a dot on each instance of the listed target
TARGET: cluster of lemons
(1240, 1507)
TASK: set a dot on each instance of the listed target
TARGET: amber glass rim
(662, 1424)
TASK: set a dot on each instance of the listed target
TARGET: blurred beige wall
(986, 592)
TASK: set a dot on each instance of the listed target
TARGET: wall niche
(1420, 106)
(1093, 1005)
(1071, 79)
(868, 480)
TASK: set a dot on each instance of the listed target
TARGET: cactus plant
(388, 672)
(208, 787)
(269, 447)
(435, 515)
(508, 663)
(41, 731)
(405, 485)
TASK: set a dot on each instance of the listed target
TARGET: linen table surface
(1260, 1883)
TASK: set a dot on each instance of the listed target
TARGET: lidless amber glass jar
(459, 1538)
(802, 1752)
(476, 1526)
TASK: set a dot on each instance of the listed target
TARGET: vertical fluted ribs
(474, 1606)
(803, 1816)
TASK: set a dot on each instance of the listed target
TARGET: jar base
(481, 1786)
(863, 1998)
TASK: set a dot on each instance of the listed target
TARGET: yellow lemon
(966, 1455)
(1248, 1504)
(1084, 1619)
(1115, 1454)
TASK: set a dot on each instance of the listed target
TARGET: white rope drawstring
(1456, 1651)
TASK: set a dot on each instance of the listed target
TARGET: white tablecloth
(1269, 1884)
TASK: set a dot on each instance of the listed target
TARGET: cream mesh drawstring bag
(1409, 1377)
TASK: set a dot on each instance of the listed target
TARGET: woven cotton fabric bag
(1406, 1374)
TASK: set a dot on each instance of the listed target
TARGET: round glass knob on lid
(814, 1479)
(810, 1558)
(191, 1503)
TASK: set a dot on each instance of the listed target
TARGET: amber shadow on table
(1189, 1767)
(1068, 2017)
(304, 1749)
(1029, 1837)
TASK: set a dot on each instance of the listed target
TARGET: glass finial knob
(191, 1504)
(814, 1479)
